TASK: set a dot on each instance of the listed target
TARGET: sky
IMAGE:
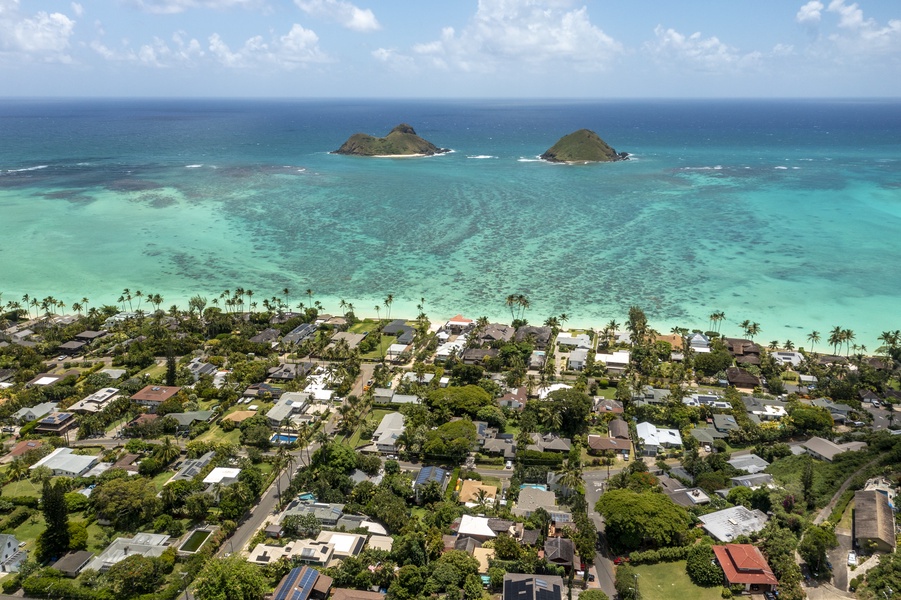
(451, 48)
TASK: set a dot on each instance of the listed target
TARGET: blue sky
(459, 48)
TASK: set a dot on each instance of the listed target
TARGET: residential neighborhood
(299, 454)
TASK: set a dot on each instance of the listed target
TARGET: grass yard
(23, 487)
(380, 350)
(160, 479)
(215, 434)
(665, 581)
(29, 531)
(364, 326)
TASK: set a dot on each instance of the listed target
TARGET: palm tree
(813, 337)
(389, 300)
(570, 476)
(310, 295)
(789, 345)
(773, 345)
(847, 337)
(835, 338)
(139, 294)
(482, 498)
(753, 330)
(167, 451)
(378, 314)
(523, 303)
(511, 302)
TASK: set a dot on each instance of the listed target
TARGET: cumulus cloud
(859, 35)
(345, 13)
(78, 9)
(697, 52)
(810, 13)
(158, 53)
(41, 36)
(522, 31)
(298, 47)
(169, 7)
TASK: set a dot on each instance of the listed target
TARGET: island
(582, 146)
(401, 141)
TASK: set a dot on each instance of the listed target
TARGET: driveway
(838, 556)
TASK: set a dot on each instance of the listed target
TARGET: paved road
(838, 556)
(366, 371)
(881, 417)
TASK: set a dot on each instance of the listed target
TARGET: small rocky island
(401, 141)
(583, 145)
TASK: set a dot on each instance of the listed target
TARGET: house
(652, 438)
(192, 467)
(64, 463)
(539, 336)
(302, 583)
(387, 433)
(458, 324)
(380, 542)
(90, 336)
(549, 443)
(827, 450)
(10, 554)
(764, 409)
(598, 444)
(727, 524)
(519, 586)
(532, 498)
(789, 359)
(73, 563)
(263, 390)
(186, 419)
(154, 395)
(221, 476)
(300, 551)
(27, 415)
(328, 515)
(743, 564)
(198, 368)
(345, 544)
(725, 423)
(618, 429)
(477, 356)
(267, 336)
(396, 352)
(874, 521)
(150, 545)
(651, 395)
(740, 378)
(496, 332)
(128, 462)
(300, 334)
(469, 492)
(698, 342)
(476, 528)
(21, 448)
(501, 444)
(566, 340)
(607, 407)
(838, 411)
(559, 551)
(617, 362)
(290, 371)
(290, 404)
(96, 401)
(44, 379)
(423, 379)
(537, 360)
(71, 348)
(749, 463)
(707, 435)
(56, 423)
(577, 359)
(754, 480)
(744, 351)
(429, 474)
(353, 339)
(515, 398)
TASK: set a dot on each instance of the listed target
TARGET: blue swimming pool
(535, 486)
(283, 438)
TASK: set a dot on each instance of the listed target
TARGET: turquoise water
(784, 213)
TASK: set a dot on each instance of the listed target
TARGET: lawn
(381, 350)
(665, 581)
(23, 487)
(30, 530)
(215, 434)
(364, 326)
(160, 480)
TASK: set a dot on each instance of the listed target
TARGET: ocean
(787, 213)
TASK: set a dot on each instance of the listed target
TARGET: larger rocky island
(401, 141)
(583, 145)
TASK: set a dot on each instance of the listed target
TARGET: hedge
(651, 557)
(15, 518)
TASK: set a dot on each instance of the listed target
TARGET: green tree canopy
(231, 578)
(638, 520)
(702, 568)
(460, 401)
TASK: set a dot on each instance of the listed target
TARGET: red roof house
(743, 564)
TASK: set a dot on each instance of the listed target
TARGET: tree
(134, 575)
(635, 520)
(626, 583)
(817, 541)
(54, 541)
(807, 481)
(593, 594)
(407, 585)
(701, 567)
(127, 503)
(231, 578)
(302, 526)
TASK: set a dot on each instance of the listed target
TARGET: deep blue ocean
(787, 213)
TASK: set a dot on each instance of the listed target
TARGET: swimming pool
(283, 438)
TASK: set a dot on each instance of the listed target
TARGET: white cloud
(169, 7)
(506, 32)
(42, 36)
(158, 53)
(810, 13)
(699, 53)
(78, 9)
(862, 36)
(393, 58)
(345, 13)
(298, 47)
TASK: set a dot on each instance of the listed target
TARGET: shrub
(651, 557)
(701, 568)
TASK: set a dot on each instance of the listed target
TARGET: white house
(389, 430)
(652, 438)
(577, 359)
(63, 463)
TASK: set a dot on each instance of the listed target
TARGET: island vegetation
(401, 141)
(582, 146)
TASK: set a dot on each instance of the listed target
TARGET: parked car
(769, 596)
(620, 560)
(852, 558)
(508, 464)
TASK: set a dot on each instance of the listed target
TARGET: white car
(509, 464)
(852, 558)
